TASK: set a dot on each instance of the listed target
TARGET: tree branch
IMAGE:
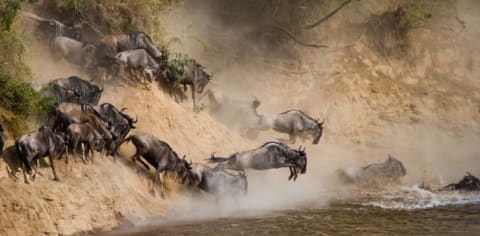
(327, 16)
(290, 35)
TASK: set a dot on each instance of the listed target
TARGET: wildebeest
(390, 170)
(51, 28)
(112, 44)
(1, 139)
(218, 181)
(75, 52)
(468, 183)
(120, 123)
(68, 113)
(88, 137)
(187, 72)
(161, 156)
(136, 62)
(293, 122)
(237, 114)
(76, 90)
(270, 155)
(38, 144)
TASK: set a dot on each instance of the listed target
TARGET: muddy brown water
(410, 211)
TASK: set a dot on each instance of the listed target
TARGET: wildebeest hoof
(56, 179)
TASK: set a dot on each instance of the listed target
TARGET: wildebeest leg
(193, 97)
(295, 174)
(24, 174)
(83, 153)
(158, 174)
(55, 177)
(291, 173)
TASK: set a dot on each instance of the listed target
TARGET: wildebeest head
(183, 170)
(394, 167)
(300, 160)
(318, 131)
(202, 77)
(77, 31)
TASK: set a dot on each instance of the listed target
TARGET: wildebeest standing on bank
(293, 122)
(189, 72)
(42, 142)
(89, 139)
(390, 170)
(271, 155)
(76, 90)
(218, 181)
(161, 156)
(75, 52)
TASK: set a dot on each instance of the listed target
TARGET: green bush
(16, 96)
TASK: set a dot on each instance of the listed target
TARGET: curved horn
(123, 109)
(101, 90)
(136, 119)
(191, 163)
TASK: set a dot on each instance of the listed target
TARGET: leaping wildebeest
(187, 72)
(161, 156)
(38, 144)
(218, 181)
(76, 90)
(293, 122)
(271, 155)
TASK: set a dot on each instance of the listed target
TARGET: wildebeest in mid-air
(161, 156)
(219, 181)
(38, 144)
(76, 90)
(390, 170)
(237, 114)
(270, 155)
(293, 122)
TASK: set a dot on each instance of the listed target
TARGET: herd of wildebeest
(79, 124)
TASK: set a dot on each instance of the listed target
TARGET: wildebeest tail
(23, 156)
(214, 159)
(255, 104)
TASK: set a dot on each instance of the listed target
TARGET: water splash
(414, 197)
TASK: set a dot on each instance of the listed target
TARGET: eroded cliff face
(420, 103)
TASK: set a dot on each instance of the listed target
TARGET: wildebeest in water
(271, 155)
(468, 183)
(390, 170)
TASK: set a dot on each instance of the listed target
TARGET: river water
(403, 211)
